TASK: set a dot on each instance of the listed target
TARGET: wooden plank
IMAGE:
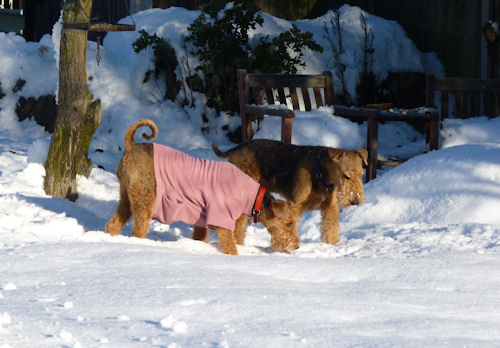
(488, 103)
(372, 147)
(475, 104)
(306, 99)
(246, 124)
(295, 98)
(257, 95)
(433, 133)
(430, 91)
(459, 105)
(466, 100)
(473, 97)
(262, 110)
(253, 95)
(354, 113)
(466, 84)
(286, 129)
(444, 105)
(409, 116)
(286, 80)
(317, 97)
(269, 96)
(281, 96)
(100, 27)
(329, 91)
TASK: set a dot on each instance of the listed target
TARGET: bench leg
(286, 129)
(372, 148)
(246, 127)
(433, 133)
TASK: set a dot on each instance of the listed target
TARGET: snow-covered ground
(418, 264)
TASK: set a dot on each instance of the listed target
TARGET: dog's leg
(330, 221)
(122, 214)
(142, 210)
(226, 241)
(240, 229)
(200, 233)
(302, 188)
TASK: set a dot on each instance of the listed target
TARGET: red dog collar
(258, 204)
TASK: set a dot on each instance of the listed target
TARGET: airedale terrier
(162, 183)
(313, 177)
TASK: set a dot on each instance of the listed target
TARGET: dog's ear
(278, 207)
(364, 156)
(335, 155)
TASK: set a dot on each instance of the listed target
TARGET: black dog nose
(298, 246)
(355, 202)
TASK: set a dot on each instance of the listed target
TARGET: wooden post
(433, 131)
(372, 146)
(246, 123)
(286, 129)
(329, 91)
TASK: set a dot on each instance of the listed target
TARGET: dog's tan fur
(138, 191)
(290, 170)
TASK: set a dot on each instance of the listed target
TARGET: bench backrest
(468, 96)
(301, 91)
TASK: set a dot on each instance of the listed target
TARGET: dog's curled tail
(129, 136)
(220, 153)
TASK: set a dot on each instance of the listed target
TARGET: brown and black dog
(312, 177)
(138, 191)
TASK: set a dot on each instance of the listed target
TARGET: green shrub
(270, 55)
(221, 43)
(165, 61)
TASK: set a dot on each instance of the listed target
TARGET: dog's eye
(347, 176)
(290, 224)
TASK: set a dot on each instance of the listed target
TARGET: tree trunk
(78, 116)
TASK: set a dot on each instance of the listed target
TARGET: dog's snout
(298, 246)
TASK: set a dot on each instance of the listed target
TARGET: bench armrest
(270, 110)
(281, 110)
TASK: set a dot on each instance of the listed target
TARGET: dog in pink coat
(162, 183)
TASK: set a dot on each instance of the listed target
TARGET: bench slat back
(469, 97)
(299, 90)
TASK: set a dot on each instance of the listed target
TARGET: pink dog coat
(200, 192)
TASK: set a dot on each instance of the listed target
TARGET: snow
(418, 264)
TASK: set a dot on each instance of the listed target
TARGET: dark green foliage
(221, 43)
(270, 55)
(368, 89)
(165, 61)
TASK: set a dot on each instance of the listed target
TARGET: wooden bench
(374, 117)
(259, 95)
(464, 97)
